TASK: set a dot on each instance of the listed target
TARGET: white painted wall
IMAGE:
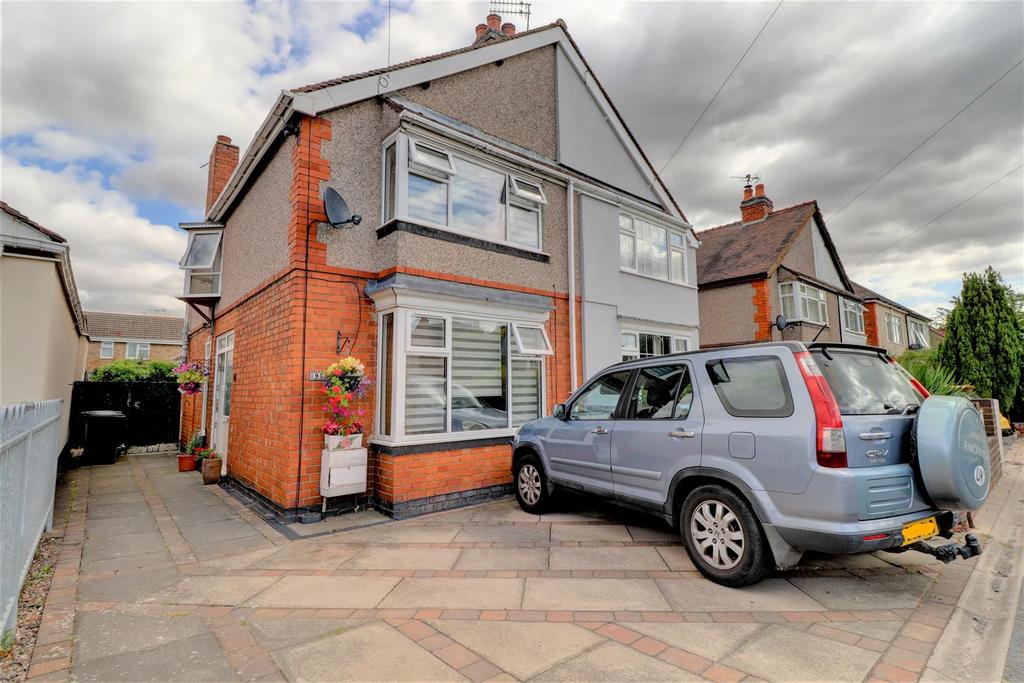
(824, 266)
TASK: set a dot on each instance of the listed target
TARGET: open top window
(202, 250)
(429, 158)
(527, 190)
(531, 340)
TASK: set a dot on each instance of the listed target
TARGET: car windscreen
(865, 383)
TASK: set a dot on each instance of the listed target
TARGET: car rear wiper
(911, 409)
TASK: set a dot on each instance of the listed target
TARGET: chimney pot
(481, 29)
(759, 190)
(748, 192)
(223, 160)
(494, 21)
(508, 29)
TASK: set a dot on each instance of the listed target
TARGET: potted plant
(191, 377)
(187, 460)
(209, 463)
(344, 383)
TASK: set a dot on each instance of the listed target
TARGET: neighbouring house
(775, 262)
(513, 239)
(891, 325)
(116, 336)
(42, 329)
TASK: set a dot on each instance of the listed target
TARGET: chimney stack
(223, 160)
(755, 205)
(508, 29)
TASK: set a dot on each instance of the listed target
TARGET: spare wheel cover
(952, 453)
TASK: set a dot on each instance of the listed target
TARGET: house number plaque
(317, 375)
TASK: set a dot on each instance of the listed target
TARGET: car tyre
(531, 485)
(723, 537)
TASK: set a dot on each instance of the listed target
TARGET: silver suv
(757, 453)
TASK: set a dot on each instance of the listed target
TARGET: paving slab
(356, 655)
(523, 649)
(613, 557)
(112, 510)
(116, 526)
(676, 558)
(112, 498)
(398, 533)
(152, 560)
(445, 593)
(128, 586)
(593, 594)
(880, 630)
(503, 558)
(709, 640)
(783, 654)
(242, 560)
(859, 561)
(304, 555)
(327, 592)
(508, 533)
(113, 547)
(771, 595)
(403, 558)
(653, 533)
(198, 658)
(235, 546)
(102, 634)
(213, 532)
(213, 590)
(590, 532)
(504, 513)
(202, 514)
(277, 634)
(113, 485)
(874, 592)
(614, 663)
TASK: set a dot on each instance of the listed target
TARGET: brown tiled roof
(14, 213)
(132, 326)
(736, 251)
(865, 294)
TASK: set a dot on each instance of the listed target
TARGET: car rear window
(754, 386)
(865, 383)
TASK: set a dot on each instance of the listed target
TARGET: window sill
(686, 285)
(446, 443)
(447, 235)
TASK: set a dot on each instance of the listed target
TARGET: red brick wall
(871, 324)
(762, 311)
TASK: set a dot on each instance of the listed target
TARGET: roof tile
(133, 326)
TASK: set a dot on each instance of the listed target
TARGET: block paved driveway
(162, 578)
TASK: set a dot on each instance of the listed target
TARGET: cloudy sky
(108, 114)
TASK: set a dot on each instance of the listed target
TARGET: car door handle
(875, 436)
(598, 430)
(682, 434)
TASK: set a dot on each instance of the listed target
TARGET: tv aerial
(336, 208)
(748, 179)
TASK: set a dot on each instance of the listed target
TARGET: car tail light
(918, 387)
(831, 439)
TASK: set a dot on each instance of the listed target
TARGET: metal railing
(30, 444)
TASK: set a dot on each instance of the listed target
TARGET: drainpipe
(571, 220)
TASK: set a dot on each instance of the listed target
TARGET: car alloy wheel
(717, 533)
(529, 484)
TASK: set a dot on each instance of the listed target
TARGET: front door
(658, 435)
(223, 378)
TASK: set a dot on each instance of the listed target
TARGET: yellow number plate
(919, 530)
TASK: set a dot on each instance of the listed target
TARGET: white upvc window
(917, 333)
(893, 328)
(106, 349)
(202, 263)
(804, 302)
(637, 344)
(137, 350)
(449, 375)
(651, 250)
(426, 183)
(853, 316)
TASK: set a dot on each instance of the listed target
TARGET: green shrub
(925, 367)
(134, 371)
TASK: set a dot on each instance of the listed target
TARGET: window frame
(628, 413)
(425, 163)
(523, 350)
(406, 164)
(192, 235)
(787, 410)
(633, 352)
(401, 350)
(922, 331)
(798, 294)
(138, 347)
(215, 268)
(893, 331)
(106, 355)
(632, 233)
(858, 310)
(538, 197)
(617, 413)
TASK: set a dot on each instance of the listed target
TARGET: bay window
(853, 316)
(455, 375)
(803, 302)
(461, 193)
(651, 250)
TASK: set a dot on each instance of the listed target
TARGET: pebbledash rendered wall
(274, 444)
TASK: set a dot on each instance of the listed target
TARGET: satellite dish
(781, 322)
(336, 208)
(916, 346)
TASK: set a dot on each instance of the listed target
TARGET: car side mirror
(559, 411)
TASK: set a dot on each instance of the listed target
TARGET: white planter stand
(342, 472)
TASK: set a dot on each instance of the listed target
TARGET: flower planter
(186, 462)
(337, 442)
(211, 470)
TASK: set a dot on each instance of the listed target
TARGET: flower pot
(211, 470)
(351, 441)
(332, 442)
(186, 462)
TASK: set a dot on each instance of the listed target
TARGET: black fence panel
(153, 410)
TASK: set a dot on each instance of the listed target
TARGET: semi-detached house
(514, 239)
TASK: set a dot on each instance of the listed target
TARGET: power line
(922, 143)
(941, 215)
(715, 96)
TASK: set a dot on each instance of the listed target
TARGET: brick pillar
(223, 160)
(871, 324)
(762, 311)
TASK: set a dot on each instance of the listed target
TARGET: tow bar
(949, 552)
